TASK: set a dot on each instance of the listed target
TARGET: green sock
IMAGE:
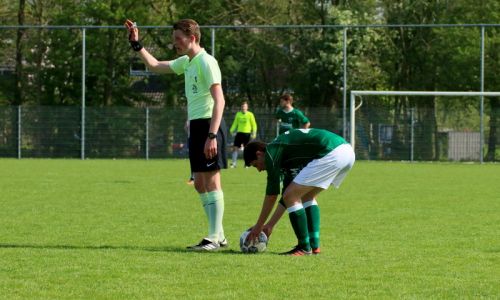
(313, 218)
(214, 205)
(298, 219)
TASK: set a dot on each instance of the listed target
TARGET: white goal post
(353, 108)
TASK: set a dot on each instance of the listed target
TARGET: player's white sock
(203, 198)
(235, 157)
(215, 206)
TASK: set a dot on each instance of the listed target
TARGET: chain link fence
(116, 132)
(54, 73)
(393, 130)
(384, 131)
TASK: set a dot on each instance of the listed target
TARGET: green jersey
(244, 122)
(290, 120)
(200, 73)
(295, 149)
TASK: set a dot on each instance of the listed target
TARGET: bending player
(327, 158)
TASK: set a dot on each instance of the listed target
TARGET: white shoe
(223, 243)
(233, 166)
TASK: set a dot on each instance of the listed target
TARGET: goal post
(359, 93)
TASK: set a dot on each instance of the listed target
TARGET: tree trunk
(494, 120)
(40, 50)
(429, 128)
(18, 92)
(110, 63)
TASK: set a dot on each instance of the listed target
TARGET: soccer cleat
(316, 251)
(297, 251)
(233, 166)
(190, 181)
(205, 245)
(223, 243)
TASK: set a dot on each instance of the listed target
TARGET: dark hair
(250, 152)
(286, 97)
(188, 27)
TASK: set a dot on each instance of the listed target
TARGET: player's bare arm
(267, 207)
(219, 102)
(160, 67)
(278, 213)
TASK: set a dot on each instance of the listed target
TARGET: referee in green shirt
(245, 127)
(206, 102)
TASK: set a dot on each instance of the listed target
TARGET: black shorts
(198, 133)
(241, 139)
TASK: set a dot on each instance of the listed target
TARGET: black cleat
(205, 245)
(297, 251)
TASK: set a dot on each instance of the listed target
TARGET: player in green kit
(325, 159)
(245, 127)
(290, 117)
(206, 127)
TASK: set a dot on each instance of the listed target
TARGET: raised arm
(160, 67)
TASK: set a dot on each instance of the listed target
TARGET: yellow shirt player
(245, 127)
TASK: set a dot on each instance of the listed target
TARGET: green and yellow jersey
(295, 149)
(290, 120)
(200, 73)
(244, 122)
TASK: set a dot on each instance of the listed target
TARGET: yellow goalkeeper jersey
(244, 122)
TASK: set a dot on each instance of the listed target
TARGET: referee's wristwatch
(212, 135)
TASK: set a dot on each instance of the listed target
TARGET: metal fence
(80, 127)
(423, 132)
(144, 133)
(117, 132)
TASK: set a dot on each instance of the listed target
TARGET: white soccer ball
(255, 246)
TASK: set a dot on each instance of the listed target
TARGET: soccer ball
(257, 246)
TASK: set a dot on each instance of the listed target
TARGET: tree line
(44, 66)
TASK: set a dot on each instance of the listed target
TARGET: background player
(245, 127)
(290, 117)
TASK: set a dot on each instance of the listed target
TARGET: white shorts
(331, 169)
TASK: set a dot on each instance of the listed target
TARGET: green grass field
(106, 229)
